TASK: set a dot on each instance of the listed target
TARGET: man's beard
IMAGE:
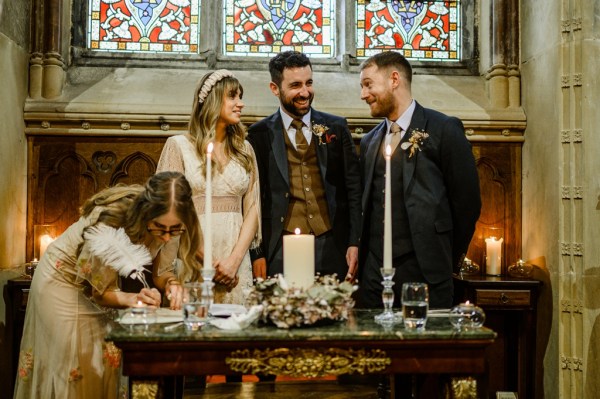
(385, 107)
(291, 108)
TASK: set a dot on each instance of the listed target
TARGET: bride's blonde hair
(205, 114)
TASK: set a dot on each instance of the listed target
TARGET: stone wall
(561, 211)
(14, 36)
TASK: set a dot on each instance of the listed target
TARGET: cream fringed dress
(63, 353)
(235, 192)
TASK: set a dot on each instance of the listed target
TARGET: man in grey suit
(434, 184)
(309, 175)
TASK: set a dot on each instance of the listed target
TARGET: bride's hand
(226, 272)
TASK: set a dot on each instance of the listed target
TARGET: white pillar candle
(387, 216)
(493, 256)
(299, 259)
(208, 210)
(45, 241)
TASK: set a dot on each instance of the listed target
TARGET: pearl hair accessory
(208, 84)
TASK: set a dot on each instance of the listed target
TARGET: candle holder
(520, 269)
(30, 267)
(208, 294)
(387, 296)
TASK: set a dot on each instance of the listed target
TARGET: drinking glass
(195, 306)
(139, 318)
(415, 303)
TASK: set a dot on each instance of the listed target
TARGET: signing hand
(148, 296)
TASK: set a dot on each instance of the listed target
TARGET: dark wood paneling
(65, 171)
(499, 167)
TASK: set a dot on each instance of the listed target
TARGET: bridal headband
(212, 80)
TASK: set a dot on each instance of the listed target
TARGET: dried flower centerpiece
(286, 307)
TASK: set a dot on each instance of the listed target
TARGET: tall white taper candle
(208, 210)
(387, 215)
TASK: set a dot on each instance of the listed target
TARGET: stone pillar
(46, 66)
(503, 75)
(512, 50)
(53, 66)
(35, 75)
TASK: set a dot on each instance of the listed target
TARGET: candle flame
(388, 150)
(209, 149)
(140, 303)
(297, 231)
(467, 302)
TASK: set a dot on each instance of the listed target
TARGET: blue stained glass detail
(408, 10)
(146, 9)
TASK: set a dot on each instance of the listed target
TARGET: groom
(434, 187)
(309, 175)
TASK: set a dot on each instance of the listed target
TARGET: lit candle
(387, 216)
(208, 210)
(299, 259)
(493, 258)
(45, 240)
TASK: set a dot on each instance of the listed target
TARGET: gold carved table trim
(305, 362)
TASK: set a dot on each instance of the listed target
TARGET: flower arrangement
(415, 142)
(326, 300)
(320, 131)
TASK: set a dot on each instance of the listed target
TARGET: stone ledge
(143, 101)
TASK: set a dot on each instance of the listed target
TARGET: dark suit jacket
(339, 168)
(441, 191)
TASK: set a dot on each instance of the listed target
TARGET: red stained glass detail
(183, 12)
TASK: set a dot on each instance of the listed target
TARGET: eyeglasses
(162, 232)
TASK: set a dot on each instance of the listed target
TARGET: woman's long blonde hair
(204, 119)
(133, 207)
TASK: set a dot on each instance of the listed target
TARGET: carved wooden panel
(499, 167)
(65, 171)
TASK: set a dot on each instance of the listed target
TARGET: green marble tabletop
(360, 326)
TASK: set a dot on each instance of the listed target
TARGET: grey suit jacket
(441, 191)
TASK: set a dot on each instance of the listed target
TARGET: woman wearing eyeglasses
(75, 286)
(216, 118)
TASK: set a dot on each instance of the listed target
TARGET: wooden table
(358, 345)
(510, 305)
(16, 294)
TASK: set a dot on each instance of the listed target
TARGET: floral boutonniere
(416, 140)
(320, 131)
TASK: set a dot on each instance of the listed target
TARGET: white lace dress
(235, 192)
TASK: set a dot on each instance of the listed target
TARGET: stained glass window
(420, 30)
(267, 27)
(165, 26)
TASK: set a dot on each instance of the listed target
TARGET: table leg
(143, 389)
(463, 388)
